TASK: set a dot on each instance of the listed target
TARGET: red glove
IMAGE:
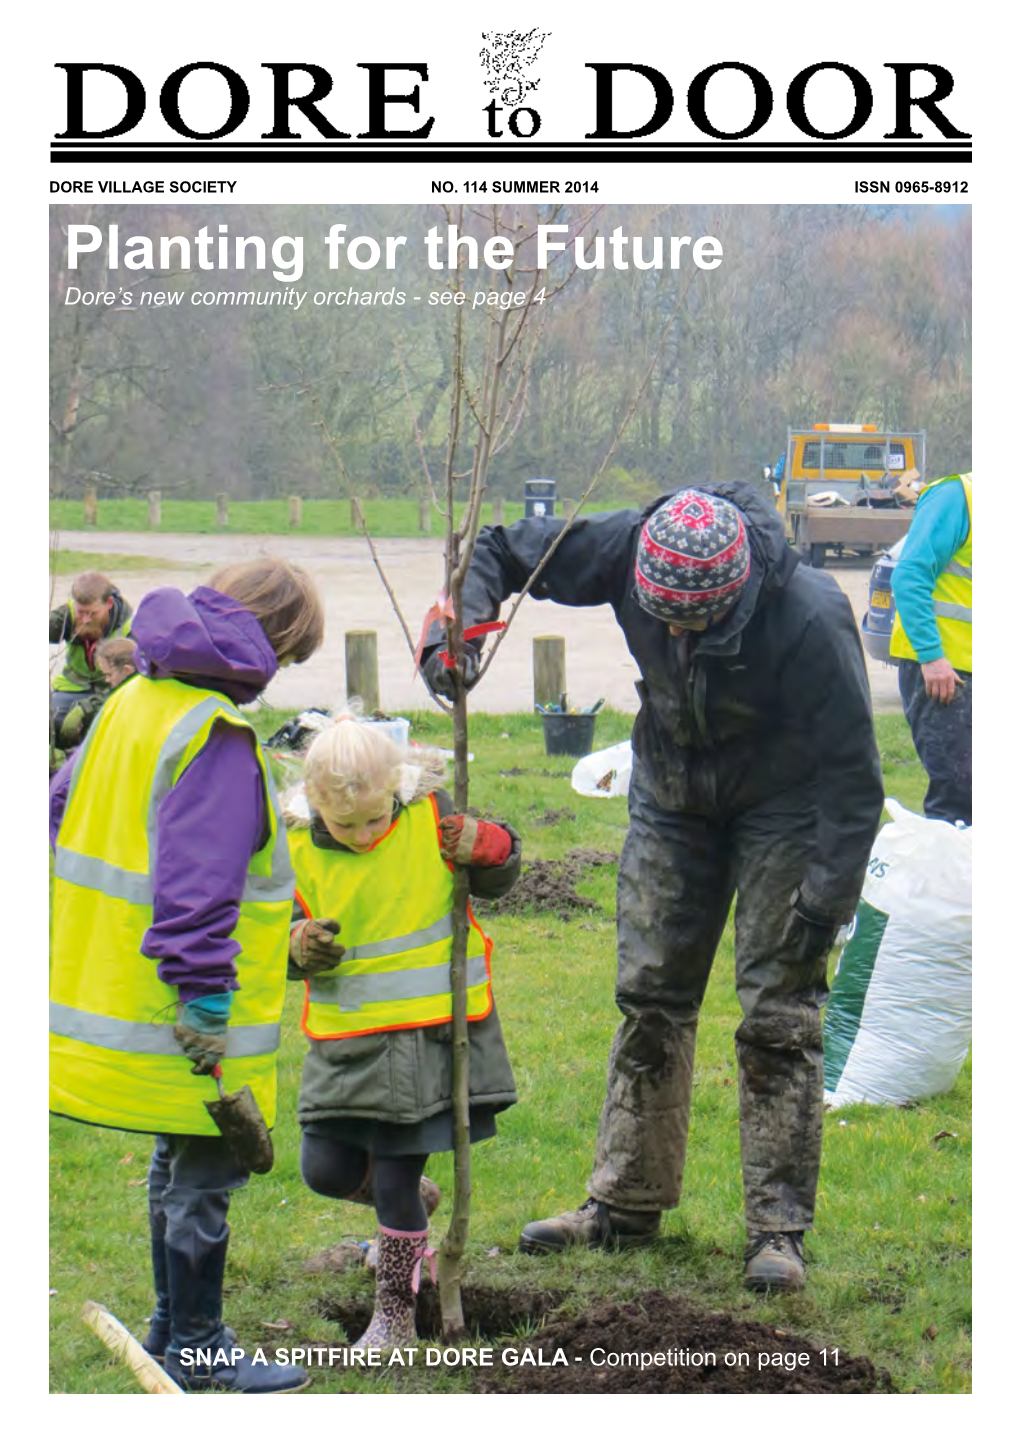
(470, 842)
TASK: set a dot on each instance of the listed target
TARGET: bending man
(756, 774)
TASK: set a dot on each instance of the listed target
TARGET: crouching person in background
(172, 905)
(96, 611)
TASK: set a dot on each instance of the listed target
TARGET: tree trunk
(451, 1253)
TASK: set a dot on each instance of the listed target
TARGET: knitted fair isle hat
(693, 558)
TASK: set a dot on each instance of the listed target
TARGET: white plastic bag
(898, 1024)
(604, 773)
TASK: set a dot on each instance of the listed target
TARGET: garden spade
(242, 1125)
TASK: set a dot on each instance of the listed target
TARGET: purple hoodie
(214, 819)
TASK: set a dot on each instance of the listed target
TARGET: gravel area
(598, 663)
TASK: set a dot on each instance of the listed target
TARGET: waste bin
(570, 733)
(540, 498)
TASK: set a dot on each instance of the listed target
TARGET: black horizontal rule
(284, 155)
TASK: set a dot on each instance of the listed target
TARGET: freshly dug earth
(692, 1347)
(550, 886)
(686, 1349)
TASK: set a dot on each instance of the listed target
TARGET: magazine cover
(509, 533)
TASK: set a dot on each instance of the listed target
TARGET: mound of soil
(653, 1344)
(550, 886)
(551, 817)
(662, 1344)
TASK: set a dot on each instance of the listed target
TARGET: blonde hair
(283, 599)
(116, 651)
(351, 766)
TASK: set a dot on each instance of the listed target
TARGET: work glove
(440, 676)
(809, 934)
(314, 947)
(65, 628)
(201, 1031)
(71, 727)
(469, 842)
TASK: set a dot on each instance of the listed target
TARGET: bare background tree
(817, 313)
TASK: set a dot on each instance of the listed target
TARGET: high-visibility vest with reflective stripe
(77, 674)
(113, 1057)
(951, 598)
(394, 904)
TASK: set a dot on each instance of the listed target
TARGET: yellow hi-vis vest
(394, 904)
(113, 1057)
(951, 598)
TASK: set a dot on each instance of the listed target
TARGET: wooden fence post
(498, 511)
(425, 515)
(294, 512)
(549, 665)
(90, 508)
(356, 514)
(569, 507)
(221, 508)
(361, 653)
(155, 513)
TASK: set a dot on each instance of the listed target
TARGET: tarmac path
(598, 662)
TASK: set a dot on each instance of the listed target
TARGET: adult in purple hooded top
(209, 917)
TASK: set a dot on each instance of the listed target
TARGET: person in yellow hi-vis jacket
(373, 852)
(932, 639)
(172, 905)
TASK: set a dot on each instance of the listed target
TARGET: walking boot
(593, 1225)
(774, 1262)
(397, 1278)
(199, 1356)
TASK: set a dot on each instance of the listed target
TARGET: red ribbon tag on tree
(469, 635)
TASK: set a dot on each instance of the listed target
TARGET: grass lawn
(890, 1255)
(261, 518)
(72, 563)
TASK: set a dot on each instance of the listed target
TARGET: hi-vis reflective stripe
(955, 569)
(136, 887)
(152, 1038)
(90, 871)
(414, 940)
(351, 993)
(952, 612)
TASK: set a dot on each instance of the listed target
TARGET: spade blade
(243, 1127)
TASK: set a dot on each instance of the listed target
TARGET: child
(154, 985)
(374, 866)
(115, 658)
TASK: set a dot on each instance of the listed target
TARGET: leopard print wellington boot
(397, 1279)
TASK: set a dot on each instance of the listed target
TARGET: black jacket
(773, 699)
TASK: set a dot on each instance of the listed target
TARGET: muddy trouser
(942, 740)
(678, 875)
(190, 1181)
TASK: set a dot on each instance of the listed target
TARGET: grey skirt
(393, 1139)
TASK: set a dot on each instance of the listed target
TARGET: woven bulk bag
(898, 1023)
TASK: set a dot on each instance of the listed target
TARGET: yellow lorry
(846, 487)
